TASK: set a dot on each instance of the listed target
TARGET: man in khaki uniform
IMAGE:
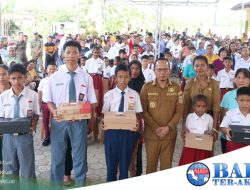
(162, 104)
(36, 48)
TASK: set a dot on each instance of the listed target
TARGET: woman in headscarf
(136, 82)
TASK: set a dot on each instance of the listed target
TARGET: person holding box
(118, 143)
(198, 122)
(69, 84)
(19, 102)
(237, 116)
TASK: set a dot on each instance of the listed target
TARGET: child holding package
(237, 116)
(198, 122)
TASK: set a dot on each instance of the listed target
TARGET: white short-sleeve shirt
(225, 78)
(59, 86)
(95, 66)
(149, 74)
(112, 99)
(107, 72)
(44, 88)
(235, 117)
(242, 63)
(28, 103)
(199, 125)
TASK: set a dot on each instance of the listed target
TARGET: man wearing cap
(36, 48)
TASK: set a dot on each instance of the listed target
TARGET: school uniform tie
(72, 88)
(121, 106)
(233, 57)
(17, 106)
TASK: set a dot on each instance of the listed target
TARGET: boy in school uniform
(226, 76)
(198, 122)
(18, 102)
(119, 144)
(147, 72)
(43, 98)
(237, 116)
(69, 84)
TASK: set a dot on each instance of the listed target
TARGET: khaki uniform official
(211, 91)
(36, 48)
(161, 107)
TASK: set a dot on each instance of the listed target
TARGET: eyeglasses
(162, 70)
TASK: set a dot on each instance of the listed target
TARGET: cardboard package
(74, 111)
(105, 83)
(120, 120)
(198, 141)
(240, 134)
(15, 125)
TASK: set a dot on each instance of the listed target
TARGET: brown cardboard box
(198, 141)
(105, 83)
(74, 111)
(123, 120)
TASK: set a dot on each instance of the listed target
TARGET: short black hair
(17, 68)
(200, 57)
(199, 97)
(227, 58)
(136, 45)
(161, 59)
(211, 66)
(145, 57)
(122, 51)
(121, 67)
(117, 58)
(5, 67)
(243, 91)
(72, 43)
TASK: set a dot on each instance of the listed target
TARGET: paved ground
(96, 159)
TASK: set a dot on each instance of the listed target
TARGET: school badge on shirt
(152, 104)
(131, 104)
(81, 97)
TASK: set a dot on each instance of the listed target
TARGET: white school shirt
(44, 88)
(242, 63)
(112, 99)
(95, 66)
(59, 86)
(199, 125)
(149, 74)
(235, 117)
(107, 72)
(225, 78)
(112, 71)
(28, 103)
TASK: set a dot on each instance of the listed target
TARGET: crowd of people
(201, 80)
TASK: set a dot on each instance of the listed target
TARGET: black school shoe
(46, 141)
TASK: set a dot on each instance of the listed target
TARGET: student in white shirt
(198, 122)
(60, 91)
(237, 116)
(82, 64)
(119, 144)
(244, 62)
(226, 76)
(149, 74)
(107, 68)
(43, 90)
(19, 102)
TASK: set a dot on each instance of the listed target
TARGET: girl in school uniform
(197, 122)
